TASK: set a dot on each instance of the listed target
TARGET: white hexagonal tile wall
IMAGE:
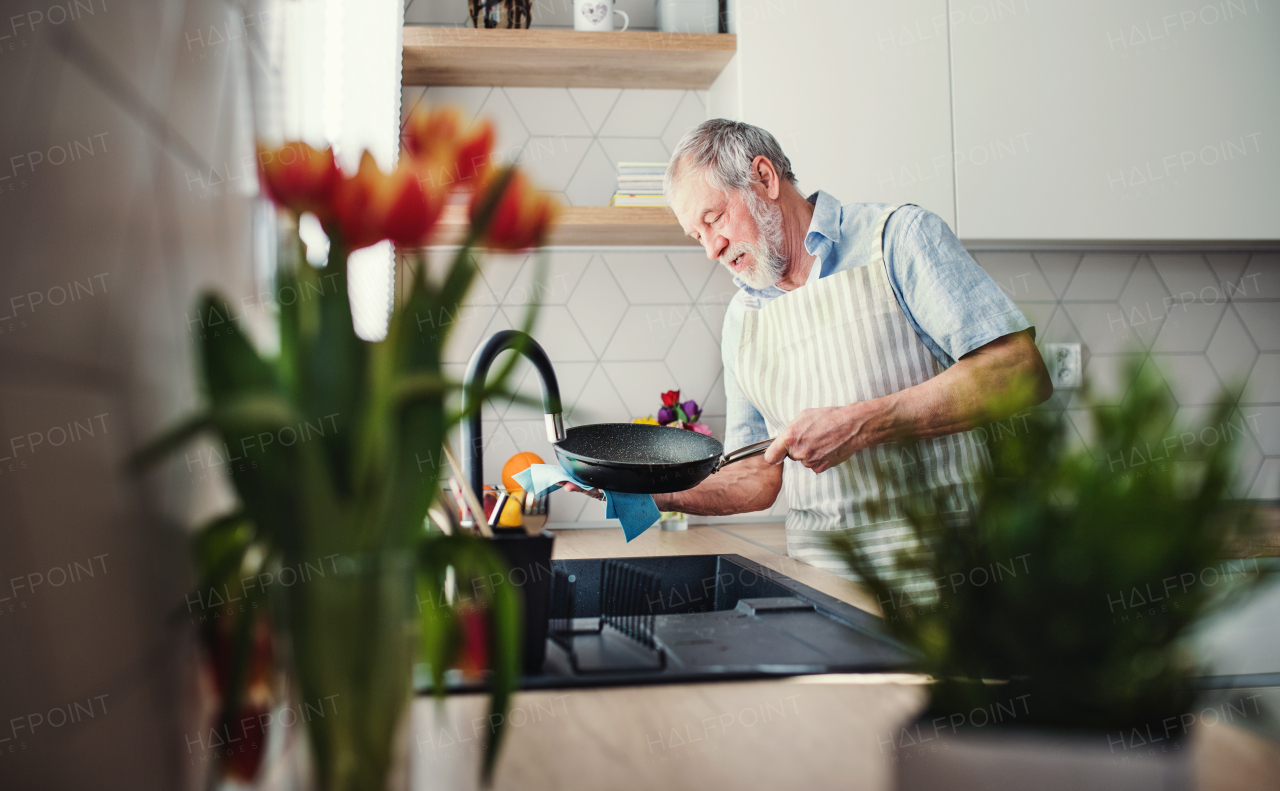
(1058, 269)
(1266, 486)
(689, 113)
(646, 278)
(1190, 377)
(1143, 303)
(640, 385)
(552, 161)
(595, 180)
(1264, 422)
(1103, 327)
(1227, 266)
(549, 112)
(641, 113)
(1231, 352)
(647, 332)
(1261, 278)
(1264, 381)
(693, 269)
(694, 359)
(1262, 320)
(564, 268)
(595, 104)
(1188, 327)
(598, 304)
(1101, 276)
(558, 333)
(599, 402)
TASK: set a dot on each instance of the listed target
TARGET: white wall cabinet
(856, 93)
(1098, 120)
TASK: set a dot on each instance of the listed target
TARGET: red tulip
(522, 215)
(372, 205)
(446, 158)
(671, 398)
(300, 178)
(473, 653)
(242, 732)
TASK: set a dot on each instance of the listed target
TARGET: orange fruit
(518, 463)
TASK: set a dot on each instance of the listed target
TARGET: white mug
(596, 15)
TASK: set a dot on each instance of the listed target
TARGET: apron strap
(880, 226)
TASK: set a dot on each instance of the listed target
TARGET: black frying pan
(642, 458)
(638, 458)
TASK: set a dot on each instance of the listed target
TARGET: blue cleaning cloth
(636, 512)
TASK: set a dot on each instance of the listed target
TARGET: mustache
(733, 252)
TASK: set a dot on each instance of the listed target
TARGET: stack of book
(639, 184)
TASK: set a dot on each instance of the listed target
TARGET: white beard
(768, 264)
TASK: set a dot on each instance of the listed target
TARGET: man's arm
(748, 485)
(991, 382)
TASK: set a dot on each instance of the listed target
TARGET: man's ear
(767, 176)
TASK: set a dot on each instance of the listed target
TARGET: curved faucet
(473, 384)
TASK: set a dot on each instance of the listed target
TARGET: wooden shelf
(564, 58)
(591, 226)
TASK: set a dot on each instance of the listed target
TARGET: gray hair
(722, 151)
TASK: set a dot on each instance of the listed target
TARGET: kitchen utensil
(496, 513)
(640, 458)
(458, 485)
(536, 510)
(596, 15)
(632, 458)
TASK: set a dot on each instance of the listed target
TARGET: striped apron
(833, 341)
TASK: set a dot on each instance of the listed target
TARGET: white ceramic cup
(596, 15)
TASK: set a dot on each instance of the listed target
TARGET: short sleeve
(743, 424)
(952, 303)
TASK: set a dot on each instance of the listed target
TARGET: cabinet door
(856, 93)
(1101, 120)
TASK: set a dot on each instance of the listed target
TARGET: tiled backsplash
(624, 324)
(570, 140)
(1209, 322)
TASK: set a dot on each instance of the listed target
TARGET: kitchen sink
(700, 618)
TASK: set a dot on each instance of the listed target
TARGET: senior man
(854, 327)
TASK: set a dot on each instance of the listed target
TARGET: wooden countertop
(815, 732)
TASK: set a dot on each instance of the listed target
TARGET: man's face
(729, 227)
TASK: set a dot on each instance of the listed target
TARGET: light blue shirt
(952, 303)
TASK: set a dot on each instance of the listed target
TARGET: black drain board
(716, 617)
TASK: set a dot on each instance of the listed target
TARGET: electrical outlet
(1063, 361)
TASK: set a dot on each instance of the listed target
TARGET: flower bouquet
(344, 509)
(677, 415)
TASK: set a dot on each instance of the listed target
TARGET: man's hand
(989, 383)
(825, 437)
(570, 486)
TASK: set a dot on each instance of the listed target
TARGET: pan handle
(754, 449)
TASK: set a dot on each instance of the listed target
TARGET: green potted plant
(1053, 618)
(347, 439)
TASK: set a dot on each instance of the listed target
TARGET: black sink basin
(715, 617)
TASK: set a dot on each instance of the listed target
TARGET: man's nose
(714, 244)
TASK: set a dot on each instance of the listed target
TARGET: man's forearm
(747, 485)
(991, 383)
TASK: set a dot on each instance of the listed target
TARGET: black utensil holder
(529, 558)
